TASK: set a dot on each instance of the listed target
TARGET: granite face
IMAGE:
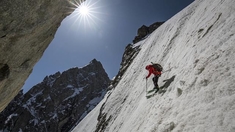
(26, 29)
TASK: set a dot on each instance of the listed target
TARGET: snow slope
(196, 47)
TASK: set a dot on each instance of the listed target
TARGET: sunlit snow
(196, 49)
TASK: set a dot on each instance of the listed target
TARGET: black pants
(155, 81)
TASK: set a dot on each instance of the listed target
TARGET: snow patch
(76, 92)
(34, 121)
(10, 117)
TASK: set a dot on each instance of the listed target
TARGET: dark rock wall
(26, 29)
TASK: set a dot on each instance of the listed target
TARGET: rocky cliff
(58, 102)
(26, 29)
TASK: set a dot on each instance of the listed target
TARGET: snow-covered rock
(59, 102)
(196, 48)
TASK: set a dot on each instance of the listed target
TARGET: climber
(156, 70)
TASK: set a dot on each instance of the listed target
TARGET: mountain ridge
(57, 103)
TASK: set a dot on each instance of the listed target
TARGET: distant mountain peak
(59, 102)
(94, 61)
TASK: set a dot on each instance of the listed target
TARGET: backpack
(157, 66)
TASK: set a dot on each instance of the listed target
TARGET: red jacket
(153, 71)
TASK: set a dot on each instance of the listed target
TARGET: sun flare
(87, 13)
(83, 10)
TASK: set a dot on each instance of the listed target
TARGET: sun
(86, 13)
(83, 10)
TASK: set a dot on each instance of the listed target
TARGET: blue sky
(112, 25)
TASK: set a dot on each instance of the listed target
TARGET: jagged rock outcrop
(129, 54)
(144, 31)
(59, 102)
(26, 29)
